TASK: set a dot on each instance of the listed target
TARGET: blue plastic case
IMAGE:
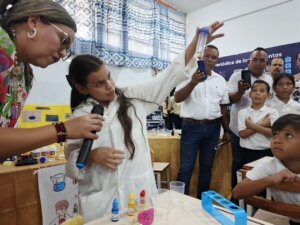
(240, 216)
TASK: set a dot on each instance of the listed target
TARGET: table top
(13, 168)
(172, 208)
(161, 136)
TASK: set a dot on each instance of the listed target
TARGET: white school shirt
(257, 141)
(270, 167)
(245, 101)
(205, 99)
(291, 107)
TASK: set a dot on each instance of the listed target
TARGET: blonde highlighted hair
(13, 12)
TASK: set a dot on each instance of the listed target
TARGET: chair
(242, 173)
(270, 210)
(158, 169)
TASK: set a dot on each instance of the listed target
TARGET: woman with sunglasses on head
(41, 32)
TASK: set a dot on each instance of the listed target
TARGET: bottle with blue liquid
(115, 211)
(202, 39)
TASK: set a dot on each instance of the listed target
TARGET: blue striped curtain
(131, 33)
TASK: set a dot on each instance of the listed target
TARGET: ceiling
(188, 6)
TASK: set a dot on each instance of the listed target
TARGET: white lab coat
(99, 186)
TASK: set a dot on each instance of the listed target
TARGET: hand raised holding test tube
(201, 43)
(212, 29)
(191, 49)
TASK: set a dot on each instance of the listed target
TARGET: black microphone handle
(84, 152)
(87, 143)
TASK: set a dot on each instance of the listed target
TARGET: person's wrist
(61, 132)
(227, 130)
(241, 92)
(193, 83)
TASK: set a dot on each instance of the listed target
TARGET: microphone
(87, 143)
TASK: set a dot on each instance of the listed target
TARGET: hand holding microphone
(87, 143)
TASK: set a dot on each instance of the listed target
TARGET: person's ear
(82, 89)
(248, 61)
(33, 21)
(269, 95)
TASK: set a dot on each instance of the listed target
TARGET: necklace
(20, 84)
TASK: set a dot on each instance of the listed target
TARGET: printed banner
(230, 64)
(58, 194)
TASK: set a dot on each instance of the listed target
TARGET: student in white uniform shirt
(120, 160)
(204, 109)
(239, 97)
(283, 168)
(255, 123)
(282, 101)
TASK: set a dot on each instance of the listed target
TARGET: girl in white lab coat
(120, 160)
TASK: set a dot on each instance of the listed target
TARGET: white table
(172, 208)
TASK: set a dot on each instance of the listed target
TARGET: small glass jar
(144, 212)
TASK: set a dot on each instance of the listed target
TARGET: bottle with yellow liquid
(131, 204)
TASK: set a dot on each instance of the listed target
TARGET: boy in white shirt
(283, 168)
(254, 124)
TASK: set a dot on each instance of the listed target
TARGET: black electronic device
(201, 68)
(25, 160)
(87, 143)
(246, 76)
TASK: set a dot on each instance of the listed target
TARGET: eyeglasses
(65, 43)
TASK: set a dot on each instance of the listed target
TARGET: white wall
(262, 25)
(51, 87)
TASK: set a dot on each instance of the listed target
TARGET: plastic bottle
(142, 196)
(131, 204)
(203, 33)
(201, 43)
(145, 210)
(43, 159)
(115, 211)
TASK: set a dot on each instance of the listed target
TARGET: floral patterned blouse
(14, 87)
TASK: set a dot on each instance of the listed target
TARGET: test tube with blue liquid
(201, 43)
